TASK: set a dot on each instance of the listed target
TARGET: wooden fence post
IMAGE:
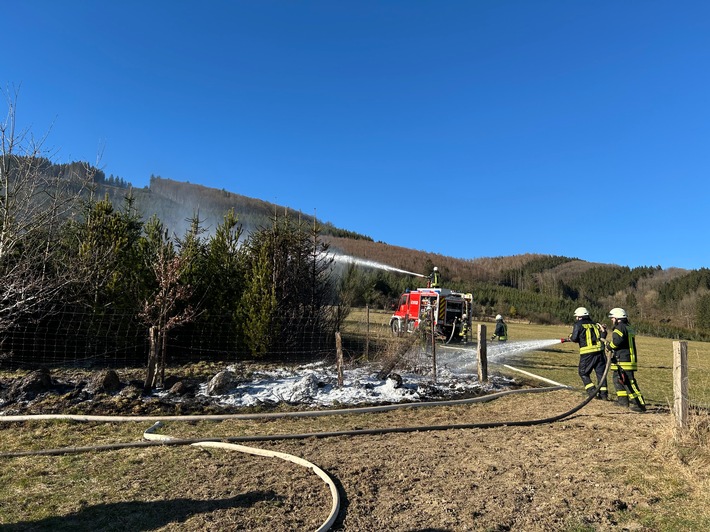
(339, 351)
(367, 335)
(680, 384)
(481, 352)
(152, 360)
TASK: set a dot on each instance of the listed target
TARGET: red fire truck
(450, 311)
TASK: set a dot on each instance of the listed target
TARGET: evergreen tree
(702, 313)
(288, 295)
(105, 255)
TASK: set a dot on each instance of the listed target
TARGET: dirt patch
(556, 476)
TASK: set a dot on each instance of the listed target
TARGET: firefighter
(590, 336)
(623, 362)
(501, 330)
(435, 280)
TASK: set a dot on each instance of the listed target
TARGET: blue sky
(465, 128)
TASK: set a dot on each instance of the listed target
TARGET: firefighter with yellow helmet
(590, 337)
(623, 362)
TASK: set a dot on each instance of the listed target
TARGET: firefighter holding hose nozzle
(590, 337)
(435, 278)
(623, 361)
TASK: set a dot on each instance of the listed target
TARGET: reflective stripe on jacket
(501, 330)
(623, 344)
(587, 334)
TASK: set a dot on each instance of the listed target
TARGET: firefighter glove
(602, 330)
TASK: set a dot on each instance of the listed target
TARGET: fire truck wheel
(394, 325)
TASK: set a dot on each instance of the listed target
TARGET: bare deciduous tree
(165, 310)
(33, 205)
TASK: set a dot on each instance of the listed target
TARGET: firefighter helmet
(499, 317)
(436, 269)
(618, 313)
(580, 312)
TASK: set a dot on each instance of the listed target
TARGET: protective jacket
(591, 354)
(501, 331)
(623, 344)
(588, 335)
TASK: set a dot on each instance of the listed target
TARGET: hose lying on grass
(228, 442)
(150, 435)
(279, 437)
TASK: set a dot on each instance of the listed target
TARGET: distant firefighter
(435, 278)
(501, 331)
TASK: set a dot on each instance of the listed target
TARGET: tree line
(70, 237)
(70, 258)
(540, 288)
(672, 303)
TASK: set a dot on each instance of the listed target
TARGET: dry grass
(638, 473)
(643, 475)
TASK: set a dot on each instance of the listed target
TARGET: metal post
(433, 344)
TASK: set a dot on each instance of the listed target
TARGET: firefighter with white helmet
(435, 278)
(623, 362)
(501, 330)
(590, 337)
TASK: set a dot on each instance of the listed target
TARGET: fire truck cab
(449, 310)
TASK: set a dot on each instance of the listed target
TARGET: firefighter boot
(603, 395)
(623, 401)
(637, 405)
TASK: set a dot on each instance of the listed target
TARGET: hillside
(672, 302)
(176, 203)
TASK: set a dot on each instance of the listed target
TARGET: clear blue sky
(465, 128)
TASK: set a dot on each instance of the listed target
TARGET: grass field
(188, 489)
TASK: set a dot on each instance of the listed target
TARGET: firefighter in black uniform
(623, 363)
(501, 331)
(589, 336)
(434, 278)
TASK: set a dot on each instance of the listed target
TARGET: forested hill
(546, 289)
(672, 302)
(175, 203)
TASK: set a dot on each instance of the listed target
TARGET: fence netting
(113, 339)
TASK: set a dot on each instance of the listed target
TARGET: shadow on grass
(136, 516)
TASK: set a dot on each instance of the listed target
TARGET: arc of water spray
(372, 264)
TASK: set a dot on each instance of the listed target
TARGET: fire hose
(453, 331)
(150, 435)
(227, 442)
